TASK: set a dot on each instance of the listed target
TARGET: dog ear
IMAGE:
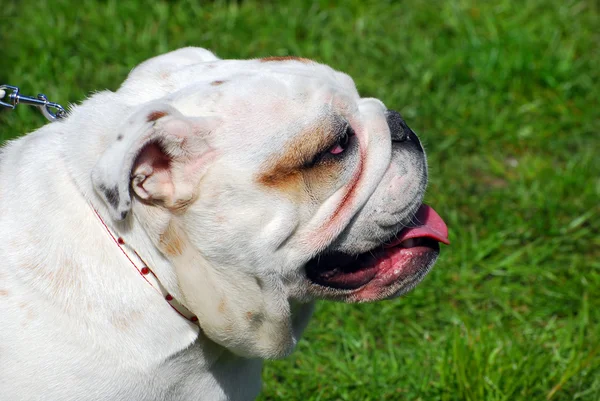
(159, 153)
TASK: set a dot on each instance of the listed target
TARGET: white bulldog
(162, 240)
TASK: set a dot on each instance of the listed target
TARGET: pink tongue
(432, 226)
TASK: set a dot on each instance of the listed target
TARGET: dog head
(268, 184)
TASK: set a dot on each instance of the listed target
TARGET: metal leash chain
(41, 102)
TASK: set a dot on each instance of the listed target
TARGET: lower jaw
(388, 282)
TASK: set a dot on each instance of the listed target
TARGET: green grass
(505, 96)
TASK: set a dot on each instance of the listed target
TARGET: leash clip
(52, 111)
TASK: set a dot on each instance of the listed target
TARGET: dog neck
(148, 274)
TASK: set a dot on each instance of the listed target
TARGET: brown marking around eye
(155, 115)
(291, 172)
(298, 152)
(285, 58)
(320, 181)
(217, 83)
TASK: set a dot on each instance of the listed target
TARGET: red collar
(148, 275)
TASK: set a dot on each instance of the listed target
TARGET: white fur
(78, 322)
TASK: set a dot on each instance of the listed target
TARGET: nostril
(398, 128)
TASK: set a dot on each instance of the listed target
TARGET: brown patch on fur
(249, 316)
(4, 293)
(121, 323)
(217, 83)
(29, 313)
(293, 174)
(298, 152)
(124, 322)
(65, 277)
(320, 181)
(283, 176)
(59, 279)
(285, 58)
(181, 205)
(155, 115)
(221, 307)
(172, 241)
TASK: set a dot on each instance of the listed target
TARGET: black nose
(398, 128)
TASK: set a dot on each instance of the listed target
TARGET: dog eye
(343, 142)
